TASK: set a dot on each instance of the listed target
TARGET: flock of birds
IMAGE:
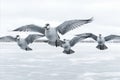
(53, 38)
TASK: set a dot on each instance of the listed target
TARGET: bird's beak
(46, 28)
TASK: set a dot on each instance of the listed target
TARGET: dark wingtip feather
(90, 20)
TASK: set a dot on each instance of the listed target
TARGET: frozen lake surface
(46, 62)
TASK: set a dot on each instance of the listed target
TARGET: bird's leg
(56, 43)
(26, 49)
(100, 47)
(69, 51)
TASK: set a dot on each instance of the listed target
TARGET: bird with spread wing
(52, 33)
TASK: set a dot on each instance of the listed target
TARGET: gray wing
(71, 24)
(45, 41)
(88, 35)
(32, 37)
(59, 43)
(79, 37)
(31, 27)
(7, 39)
(111, 37)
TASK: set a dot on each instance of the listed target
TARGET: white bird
(51, 33)
(101, 40)
(22, 43)
(67, 44)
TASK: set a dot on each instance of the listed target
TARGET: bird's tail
(68, 52)
(102, 47)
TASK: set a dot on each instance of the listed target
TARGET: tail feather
(102, 47)
(68, 52)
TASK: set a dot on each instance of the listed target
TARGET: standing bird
(101, 40)
(22, 43)
(52, 33)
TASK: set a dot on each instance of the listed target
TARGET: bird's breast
(22, 42)
(66, 46)
(51, 34)
(101, 40)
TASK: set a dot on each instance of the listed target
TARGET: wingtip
(14, 30)
(90, 19)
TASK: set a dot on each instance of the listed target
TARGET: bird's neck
(18, 38)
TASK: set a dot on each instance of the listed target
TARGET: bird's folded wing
(31, 27)
(7, 39)
(33, 37)
(111, 37)
(71, 24)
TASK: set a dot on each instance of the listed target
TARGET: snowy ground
(49, 63)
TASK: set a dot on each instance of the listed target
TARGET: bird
(52, 33)
(22, 43)
(101, 40)
(67, 44)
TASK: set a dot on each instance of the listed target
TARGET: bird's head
(100, 35)
(64, 40)
(18, 37)
(47, 26)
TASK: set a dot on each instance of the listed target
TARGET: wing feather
(7, 39)
(78, 38)
(90, 35)
(71, 24)
(31, 27)
(111, 37)
(32, 37)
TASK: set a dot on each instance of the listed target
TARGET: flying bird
(67, 44)
(22, 43)
(101, 40)
(52, 33)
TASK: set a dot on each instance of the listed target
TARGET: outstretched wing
(7, 39)
(79, 37)
(32, 37)
(71, 24)
(89, 35)
(31, 27)
(111, 37)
